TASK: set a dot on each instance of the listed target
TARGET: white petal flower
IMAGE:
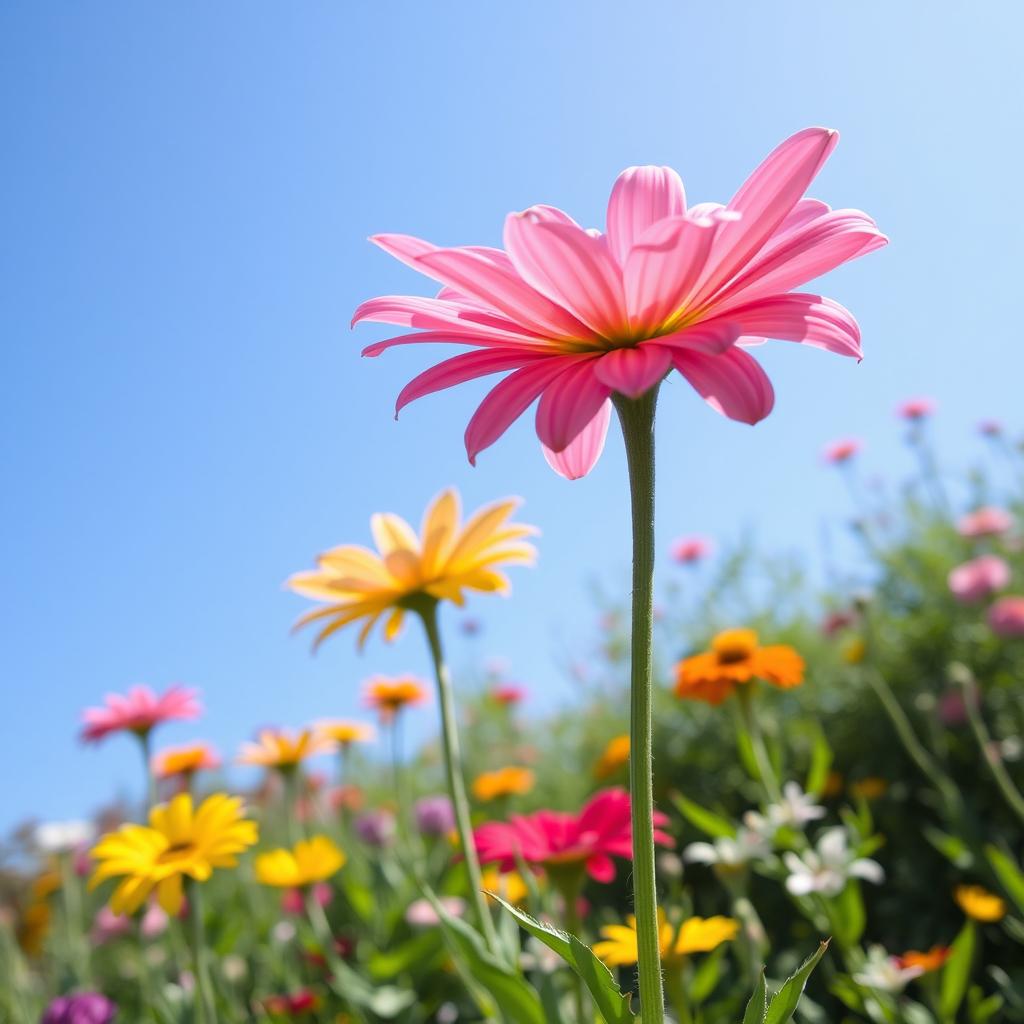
(64, 836)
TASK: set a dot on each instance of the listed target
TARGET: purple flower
(83, 1008)
(434, 816)
(376, 828)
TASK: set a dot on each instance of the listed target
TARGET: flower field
(772, 800)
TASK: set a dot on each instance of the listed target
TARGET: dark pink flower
(842, 451)
(838, 620)
(915, 409)
(574, 316)
(83, 1008)
(1006, 616)
(979, 578)
(987, 521)
(555, 838)
(138, 711)
(508, 693)
(687, 550)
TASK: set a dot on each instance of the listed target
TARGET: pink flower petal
(663, 268)
(633, 371)
(581, 455)
(732, 383)
(569, 403)
(601, 868)
(506, 402)
(641, 196)
(569, 266)
(764, 201)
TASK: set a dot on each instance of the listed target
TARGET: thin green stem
(145, 745)
(291, 779)
(637, 419)
(677, 995)
(570, 884)
(206, 1012)
(78, 948)
(427, 611)
(752, 727)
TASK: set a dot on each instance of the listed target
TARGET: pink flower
(987, 521)
(1006, 616)
(842, 451)
(979, 578)
(107, 926)
(574, 316)
(138, 711)
(508, 693)
(915, 409)
(551, 838)
(836, 621)
(990, 428)
(687, 550)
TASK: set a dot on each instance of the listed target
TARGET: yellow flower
(854, 650)
(615, 755)
(186, 760)
(276, 748)
(510, 781)
(695, 935)
(510, 886)
(870, 788)
(345, 732)
(390, 694)
(179, 841)
(979, 903)
(447, 559)
(312, 860)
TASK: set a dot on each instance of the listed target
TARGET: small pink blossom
(990, 428)
(1006, 616)
(154, 921)
(294, 902)
(107, 926)
(508, 693)
(916, 409)
(979, 578)
(138, 711)
(841, 451)
(987, 521)
(838, 620)
(688, 550)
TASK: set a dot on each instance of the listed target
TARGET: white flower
(884, 973)
(795, 809)
(538, 957)
(747, 845)
(64, 836)
(828, 867)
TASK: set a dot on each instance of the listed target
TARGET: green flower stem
(637, 419)
(1011, 794)
(426, 608)
(569, 882)
(78, 948)
(677, 996)
(752, 726)
(145, 745)
(206, 1012)
(291, 779)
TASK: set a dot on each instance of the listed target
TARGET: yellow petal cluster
(446, 559)
(980, 904)
(310, 860)
(278, 748)
(694, 935)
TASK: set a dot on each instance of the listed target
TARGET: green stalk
(426, 607)
(569, 882)
(206, 1012)
(147, 766)
(637, 419)
(752, 726)
(677, 995)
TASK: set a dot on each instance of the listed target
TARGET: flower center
(176, 852)
(734, 645)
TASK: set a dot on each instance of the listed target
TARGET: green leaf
(612, 1004)
(707, 821)
(953, 848)
(785, 1001)
(821, 762)
(1010, 876)
(849, 913)
(758, 1005)
(957, 971)
(706, 977)
(420, 951)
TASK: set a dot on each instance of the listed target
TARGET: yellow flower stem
(206, 1012)
(426, 608)
(752, 727)
(637, 419)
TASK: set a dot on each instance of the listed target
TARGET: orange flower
(615, 755)
(390, 694)
(929, 961)
(980, 904)
(185, 760)
(276, 748)
(510, 781)
(736, 658)
(345, 732)
(870, 788)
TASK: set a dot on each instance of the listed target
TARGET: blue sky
(186, 193)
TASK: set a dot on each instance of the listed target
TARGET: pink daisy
(138, 711)
(987, 521)
(842, 451)
(574, 315)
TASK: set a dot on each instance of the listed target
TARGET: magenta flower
(508, 694)
(687, 550)
(915, 409)
(987, 521)
(842, 451)
(979, 578)
(1006, 616)
(574, 316)
(83, 1008)
(555, 838)
(138, 711)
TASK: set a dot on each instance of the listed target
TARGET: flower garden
(804, 806)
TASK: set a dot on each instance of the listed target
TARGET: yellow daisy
(509, 781)
(179, 841)
(390, 694)
(345, 732)
(277, 748)
(614, 757)
(694, 935)
(510, 886)
(979, 903)
(311, 860)
(448, 558)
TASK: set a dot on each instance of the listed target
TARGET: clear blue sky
(186, 193)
